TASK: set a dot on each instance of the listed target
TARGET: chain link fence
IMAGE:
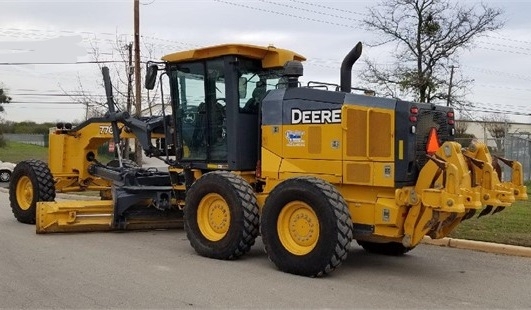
(35, 139)
(515, 146)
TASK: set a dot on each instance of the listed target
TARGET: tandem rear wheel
(31, 182)
(306, 227)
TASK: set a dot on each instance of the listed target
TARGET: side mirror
(242, 87)
(151, 76)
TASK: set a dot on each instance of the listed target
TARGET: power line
(47, 108)
(62, 63)
(55, 95)
(310, 11)
(43, 102)
(504, 87)
(285, 14)
(505, 45)
(495, 72)
(504, 51)
(499, 111)
(507, 39)
(59, 63)
(56, 31)
(328, 7)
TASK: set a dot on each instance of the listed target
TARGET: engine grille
(425, 121)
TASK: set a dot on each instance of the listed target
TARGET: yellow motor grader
(250, 150)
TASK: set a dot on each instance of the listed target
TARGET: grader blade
(98, 215)
(69, 216)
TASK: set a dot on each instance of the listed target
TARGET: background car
(6, 169)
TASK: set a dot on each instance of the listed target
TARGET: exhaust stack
(346, 68)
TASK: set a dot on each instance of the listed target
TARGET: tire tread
(42, 179)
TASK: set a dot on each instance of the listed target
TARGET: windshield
(257, 83)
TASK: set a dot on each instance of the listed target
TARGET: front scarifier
(451, 187)
(493, 193)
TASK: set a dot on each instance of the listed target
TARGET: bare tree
(428, 35)
(121, 71)
(461, 126)
(118, 59)
(461, 134)
(497, 125)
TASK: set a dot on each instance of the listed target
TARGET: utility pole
(130, 72)
(138, 99)
(448, 100)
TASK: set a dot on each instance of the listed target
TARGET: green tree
(4, 99)
(428, 34)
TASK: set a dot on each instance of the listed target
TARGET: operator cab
(215, 97)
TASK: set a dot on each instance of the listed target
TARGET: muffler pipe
(346, 68)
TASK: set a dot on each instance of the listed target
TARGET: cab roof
(271, 56)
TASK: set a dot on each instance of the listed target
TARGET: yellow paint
(90, 215)
(271, 56)
(24, 193)
(67, 156)
(298, 228)
(270, 164)
(213, 217)
(317, 142)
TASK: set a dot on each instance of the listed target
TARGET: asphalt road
(159, 269)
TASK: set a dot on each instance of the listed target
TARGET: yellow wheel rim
(24, 193)
(298, 228)
(213, 217)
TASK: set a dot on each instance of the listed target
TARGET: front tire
(31, 182)
(306, 227)
(221, 215)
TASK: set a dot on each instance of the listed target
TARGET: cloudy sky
(61, 36)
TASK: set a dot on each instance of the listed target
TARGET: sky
(53, 44)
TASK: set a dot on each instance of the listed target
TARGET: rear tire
(31, 182)
(221, 215)
(306, 227)
(391, 248)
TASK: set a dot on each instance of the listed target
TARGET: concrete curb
(480, 246)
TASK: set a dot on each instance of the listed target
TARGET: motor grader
(250, 150)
